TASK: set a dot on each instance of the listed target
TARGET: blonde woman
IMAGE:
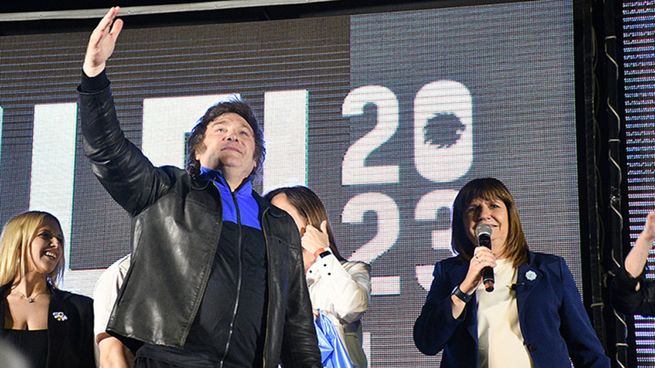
(49, 326)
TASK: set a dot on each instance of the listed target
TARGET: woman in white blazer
(339, 288)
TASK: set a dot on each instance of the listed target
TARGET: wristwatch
(322, 253)
(461, 295)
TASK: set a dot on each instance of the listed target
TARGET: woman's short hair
(310, 206)
(516, 246)
(236, 106)
(15, 246)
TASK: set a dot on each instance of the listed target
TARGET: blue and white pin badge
(530, 275)
(59, 316)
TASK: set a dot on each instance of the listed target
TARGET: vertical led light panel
(639, 81)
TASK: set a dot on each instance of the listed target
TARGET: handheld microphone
(483, 234)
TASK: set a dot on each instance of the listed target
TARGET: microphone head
(482, 229)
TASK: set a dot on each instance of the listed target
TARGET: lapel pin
(59, 316)
(530, 275)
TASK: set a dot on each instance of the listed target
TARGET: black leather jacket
(176, 232)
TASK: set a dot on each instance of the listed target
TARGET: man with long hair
(216, 278)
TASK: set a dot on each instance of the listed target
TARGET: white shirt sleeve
(106, 292)
(342, 290)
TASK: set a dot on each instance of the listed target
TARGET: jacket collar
(59, 324)
(217, 177)
(528, 279)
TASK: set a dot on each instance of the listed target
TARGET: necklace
(30, 299)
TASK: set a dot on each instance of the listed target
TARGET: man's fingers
(116, 28)
(103, 26)
(106, 21)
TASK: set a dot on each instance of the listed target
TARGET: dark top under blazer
(553, 320)
(70, 329)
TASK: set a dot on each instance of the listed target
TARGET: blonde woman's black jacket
(176, 232)
(70, 329)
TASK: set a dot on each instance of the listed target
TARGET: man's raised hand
(102, 43)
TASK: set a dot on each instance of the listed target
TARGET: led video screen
(384, 115)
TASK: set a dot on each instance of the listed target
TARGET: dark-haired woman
(339, 288)
(534, 317)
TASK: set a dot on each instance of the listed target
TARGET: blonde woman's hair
(15, 244)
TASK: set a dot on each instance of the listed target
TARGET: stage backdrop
(385, 115)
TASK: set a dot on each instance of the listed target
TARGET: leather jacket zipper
(238, 295)
(268, 278)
